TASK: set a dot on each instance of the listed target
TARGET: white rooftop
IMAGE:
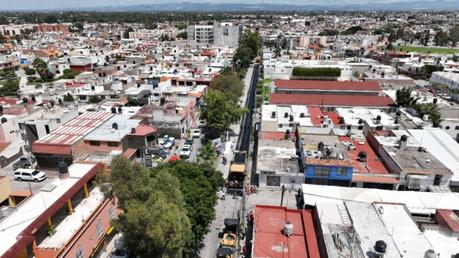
(13, 225)
(70, 225)
(369, 115)
(416, 202)
(106, 132)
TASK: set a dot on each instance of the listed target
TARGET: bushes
(316, 72)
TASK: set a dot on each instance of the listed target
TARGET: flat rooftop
(416, 202)
(331, 100)
(269, 241)
(106, 132)
(31, 209)
(73, 222)
(413, 161)
(327, 85)
(278, 156)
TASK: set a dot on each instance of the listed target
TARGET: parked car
(24, 174)
(169, 143)
(120, 249)
(189, 142)
(185, 152)
(163, 153)
(21, 163)
(196, 133)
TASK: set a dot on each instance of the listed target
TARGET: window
(456, 128)
(113, 144)
(273, 180)
(80, 252)
(94, 143)
(341, 171)
(111, 212)
(360, 127)
(99, 228)
(47, 129)
(321, 171)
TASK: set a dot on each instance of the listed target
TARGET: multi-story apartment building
(219, 34)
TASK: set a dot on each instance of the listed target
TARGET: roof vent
(380, 248)
(430, 254)
(63, 169)
(132, 130)
(288, 229)
(115, 126)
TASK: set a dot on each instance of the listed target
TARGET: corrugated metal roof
(70, 132)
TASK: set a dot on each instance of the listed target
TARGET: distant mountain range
(241, 7)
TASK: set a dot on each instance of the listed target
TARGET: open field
(428, 50)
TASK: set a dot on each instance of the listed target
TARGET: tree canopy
(42, 69)
(162, 216)
(229, 84)
(220, 112)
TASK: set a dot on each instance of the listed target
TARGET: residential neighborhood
(258, 134)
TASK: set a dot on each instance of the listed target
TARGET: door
(26, 176)
(437, 179)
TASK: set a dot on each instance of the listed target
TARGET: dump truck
(237, 173)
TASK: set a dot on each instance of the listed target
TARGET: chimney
(403, 142)
(63, 169)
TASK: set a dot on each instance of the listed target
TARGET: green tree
(352, 30)
(441, 38)
(404, 98)
(126, 32)
(182, 35)
(199, 184)
(93, 99)
(69, 74)
(230, 85)
(220, 112)
(68, 97)
(154, 219)
(430, 109)
(30, 71)
(10, 88)
(243, 57)
(207, 154)
(454, 35)
(42, 69)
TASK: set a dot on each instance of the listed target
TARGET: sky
(51, 4)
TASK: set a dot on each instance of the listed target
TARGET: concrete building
(277, 163)
(272, 238)
(219, 34)
(449, 79)
(354, 221)
(68, 218)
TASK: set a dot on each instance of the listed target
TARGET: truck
(228, 244)
(237, 173)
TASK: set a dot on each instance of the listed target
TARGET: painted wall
(332, 175)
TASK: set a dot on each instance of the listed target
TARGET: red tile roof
(333, 116)
(269, 241)
(373, 165)
(449, 219)
(144, 130)
(61, 139)
(327, 85)
(273, 135)
(371, 178)
(316, 115)
(331, 100)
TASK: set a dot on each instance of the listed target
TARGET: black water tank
(62, 168)
(380, 246)
(404, 138)
(115, 126)
(113, 109)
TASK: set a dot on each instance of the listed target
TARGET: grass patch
(427, 50)
(266, 92)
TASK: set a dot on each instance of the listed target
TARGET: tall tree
(404, 98)
(220, 112)
(207, 154)
(42, 69)
(230, 85)
(154, 220)
(454, 35)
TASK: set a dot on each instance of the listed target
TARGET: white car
(185, 152)
(196, 133)
(25, 174)
(169, 143)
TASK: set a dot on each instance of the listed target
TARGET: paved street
(229, 207)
